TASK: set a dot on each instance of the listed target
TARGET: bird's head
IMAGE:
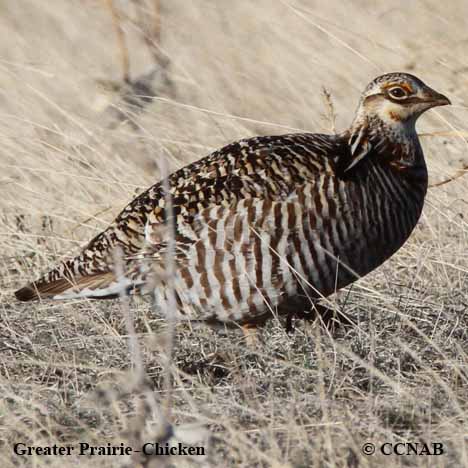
(386, 117)
(397, 98)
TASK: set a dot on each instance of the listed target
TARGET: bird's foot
(327, 316)
(250, 332)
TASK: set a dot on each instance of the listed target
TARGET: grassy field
(71, 372)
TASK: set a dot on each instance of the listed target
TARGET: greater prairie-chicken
(271, 223)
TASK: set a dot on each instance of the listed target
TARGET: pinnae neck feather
(397, 142)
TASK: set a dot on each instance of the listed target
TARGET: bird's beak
(434, 98)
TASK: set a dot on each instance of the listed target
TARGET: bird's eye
(397, 93)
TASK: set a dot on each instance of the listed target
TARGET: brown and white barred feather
(268, 166)
(244, 262)
(311, 232)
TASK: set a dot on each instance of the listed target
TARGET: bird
(266, 225)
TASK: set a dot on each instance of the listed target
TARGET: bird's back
(267, 167)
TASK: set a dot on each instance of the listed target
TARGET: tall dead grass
(77, 146)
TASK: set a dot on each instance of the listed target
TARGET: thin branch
(135, 350)
(151, 32)
(331, 114)
(124, 57)
(458, 133)
(94, 217)
(460, 173)
(157, 21)
(171, 302)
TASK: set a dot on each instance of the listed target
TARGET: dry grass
(236, 69)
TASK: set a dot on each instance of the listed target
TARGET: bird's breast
(352, 227)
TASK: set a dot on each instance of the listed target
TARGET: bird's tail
(83, 277)
(41, 289)
(71, 279)
(91, 273)
(98, 286)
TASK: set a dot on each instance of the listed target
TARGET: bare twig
(171, 299)
(137, 93)
(157, 20)
(460, 173)
(94, 217)
(116, 20)
(458, 133)
(135, 351)
(148, 404)
(330, 114)
(150, 26)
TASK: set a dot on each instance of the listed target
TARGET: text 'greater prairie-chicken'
(268, 224)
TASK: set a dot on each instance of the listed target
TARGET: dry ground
(237, 69)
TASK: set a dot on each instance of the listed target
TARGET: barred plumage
(269, 223)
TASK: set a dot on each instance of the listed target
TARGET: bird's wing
(246, 246)
(264, 167)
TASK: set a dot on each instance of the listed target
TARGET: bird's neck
(396, 142)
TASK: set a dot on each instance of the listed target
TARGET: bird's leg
(308, 315)
(326, 315)
(250, 331)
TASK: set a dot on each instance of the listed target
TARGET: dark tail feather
(28, 293)
(42, 290)
(100, 286)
